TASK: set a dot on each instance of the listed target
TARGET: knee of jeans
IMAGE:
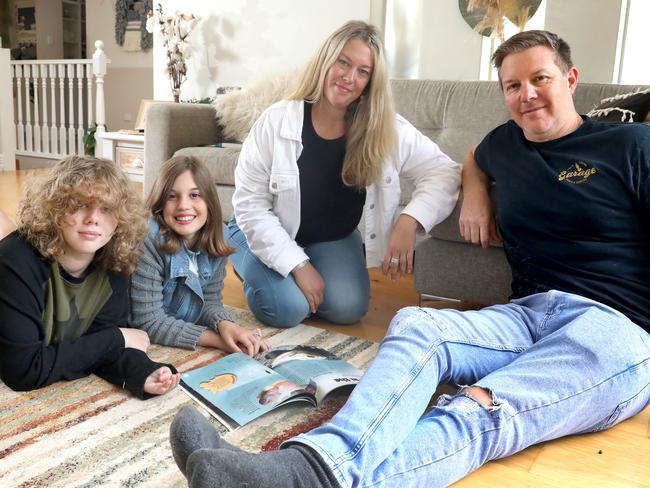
(344, 314)
(344, 310)
(406, 317)
(278, 309)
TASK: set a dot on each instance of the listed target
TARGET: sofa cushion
(238, 110)
(221, 161)
(627, 107)
(449, 230)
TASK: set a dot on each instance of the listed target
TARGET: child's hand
(161, 381)
(238, 339)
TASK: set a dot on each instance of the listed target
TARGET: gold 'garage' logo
(577, 173)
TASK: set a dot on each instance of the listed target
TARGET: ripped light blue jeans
(555, 364)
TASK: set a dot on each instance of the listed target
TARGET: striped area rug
(88, 433)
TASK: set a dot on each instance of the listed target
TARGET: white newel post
(99, 70)
(7, 127)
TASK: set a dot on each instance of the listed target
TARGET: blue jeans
(555, 364)
(279, 302)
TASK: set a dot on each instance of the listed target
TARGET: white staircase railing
(53, 103)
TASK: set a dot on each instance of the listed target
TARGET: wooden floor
(619, 457)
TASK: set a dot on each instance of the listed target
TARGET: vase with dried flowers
(175, 29)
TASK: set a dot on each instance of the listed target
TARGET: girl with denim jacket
(176, 288)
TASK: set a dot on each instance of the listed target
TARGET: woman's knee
(278, 308)
(344, 305)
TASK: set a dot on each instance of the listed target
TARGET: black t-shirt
(329, 210)
(574, 212)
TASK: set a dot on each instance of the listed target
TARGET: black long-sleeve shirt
(54, 326)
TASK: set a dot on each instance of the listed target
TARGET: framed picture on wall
(26, 28)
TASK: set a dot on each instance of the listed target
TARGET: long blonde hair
(370, 135)
(75, 181)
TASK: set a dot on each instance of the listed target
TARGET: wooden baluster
(45, 130)
(63, 150)
(54, 138)
(99, 70)
(36, 75)
(80, 110)
(89, 89)
(20, 127)
(70, 123)
(29, 138)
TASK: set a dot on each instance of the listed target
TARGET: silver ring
(257, 333)
(394, 260)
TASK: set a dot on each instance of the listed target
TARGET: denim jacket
(170, 302)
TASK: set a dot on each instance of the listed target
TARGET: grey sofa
(455, 114)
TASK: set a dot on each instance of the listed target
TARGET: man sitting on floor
(569, 354)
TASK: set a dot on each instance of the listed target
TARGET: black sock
(297, 466)
(191, 431)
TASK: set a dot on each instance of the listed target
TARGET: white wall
(591, 29)
(238, 42)
(130, 74)
(450, 49)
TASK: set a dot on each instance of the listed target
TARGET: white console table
(127, 150)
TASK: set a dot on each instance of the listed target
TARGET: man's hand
(401, 246)
(135, 338)
(312, 285)
(476, 222)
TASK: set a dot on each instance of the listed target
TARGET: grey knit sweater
(158, 295)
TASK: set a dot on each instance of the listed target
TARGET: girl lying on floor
(176, 288)
(63, 292)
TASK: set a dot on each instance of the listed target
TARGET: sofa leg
(425, 297)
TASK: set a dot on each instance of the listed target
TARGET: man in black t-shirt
(569, 354)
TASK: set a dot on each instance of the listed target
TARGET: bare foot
(161, 381)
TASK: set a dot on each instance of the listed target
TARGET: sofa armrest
(170, 127)
(449, 229)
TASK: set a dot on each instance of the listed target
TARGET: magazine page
(318, 370)
(240, 388)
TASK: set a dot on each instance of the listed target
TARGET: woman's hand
(312, 285)
(401, 246)
(161, 381)
(135, 338)
(234, 338)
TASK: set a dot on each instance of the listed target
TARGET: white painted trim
(7, 125)
(621, 39)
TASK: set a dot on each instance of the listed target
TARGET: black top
(54, 326)
(574, 212)
(329, 210)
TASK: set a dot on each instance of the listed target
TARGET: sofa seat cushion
(221, 161)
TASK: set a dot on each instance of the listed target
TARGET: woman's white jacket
(267, 187)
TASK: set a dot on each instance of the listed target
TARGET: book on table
(237, 389)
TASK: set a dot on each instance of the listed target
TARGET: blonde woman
(310, 167)
(63, 293)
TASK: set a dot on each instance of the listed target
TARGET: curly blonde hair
(210, 236)
(71, 183)
(371, 118)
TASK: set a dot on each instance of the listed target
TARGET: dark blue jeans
(279, 302)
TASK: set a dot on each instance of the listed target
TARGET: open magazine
(237, 389)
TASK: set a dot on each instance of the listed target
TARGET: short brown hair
(533, 38)
(210, 237)
(78, 180)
